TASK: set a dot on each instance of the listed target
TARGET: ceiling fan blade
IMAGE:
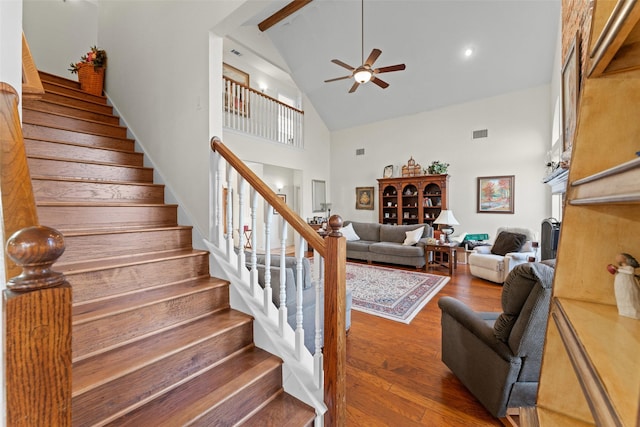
(354, 87)
(379, 82)
(398, 67)
(337, 78)
(375, 53)
(342, 64)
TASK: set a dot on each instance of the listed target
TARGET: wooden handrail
(308, 233)
(263, 95)
(37, 301)
(31, 84)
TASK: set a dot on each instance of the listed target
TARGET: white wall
(519, 127)
(60, 32)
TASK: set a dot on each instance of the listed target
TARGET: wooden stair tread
(282, 411)
(188, 401)
(54, 87)
(91, 163)
(107, 204)
(71, 143)
(118, 304)
(45, 76)
(92, 181)
(90, 372)
(30, 128)
(26, 120)
(103, 264)
(34, 107)
(53, 106)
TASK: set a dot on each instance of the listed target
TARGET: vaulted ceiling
(513, 44)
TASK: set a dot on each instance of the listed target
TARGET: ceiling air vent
(482, 133)
(359, 151)
(235, 52)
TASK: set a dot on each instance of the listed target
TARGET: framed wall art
(236, 95)
(364, 198)
(496, 194)
(570, 92)
(232, 73)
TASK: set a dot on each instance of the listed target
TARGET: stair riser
(100, 403)
(75, 93)
(78, 103)
(67, 218)
(51, 78)
(245, 401)
(63, 135)
(46, 119)
(104, 283)
(89, 246)
(56, 150)
(63, 169)
(111, 331)
(97, 192)
(71, 111)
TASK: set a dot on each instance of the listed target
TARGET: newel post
(335, 352)
(37, 306)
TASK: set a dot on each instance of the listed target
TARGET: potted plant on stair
(90, 70)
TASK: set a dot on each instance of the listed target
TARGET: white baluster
(241, 237)
(254, 240)
(229, 235)
(299, 287)
(283, 277)
(217, 225)
(317, 356)
(267, 262)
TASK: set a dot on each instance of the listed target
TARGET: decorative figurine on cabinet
(626, 285)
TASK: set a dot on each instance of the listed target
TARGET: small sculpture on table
(626, 285)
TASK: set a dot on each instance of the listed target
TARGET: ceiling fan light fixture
(362, 76)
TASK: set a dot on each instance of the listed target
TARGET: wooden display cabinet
(412, 199)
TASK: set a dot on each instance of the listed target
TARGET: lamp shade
(446, 217)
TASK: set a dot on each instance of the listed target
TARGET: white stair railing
(249, 111)
(241, 269)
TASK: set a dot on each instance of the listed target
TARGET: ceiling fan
(365, 72)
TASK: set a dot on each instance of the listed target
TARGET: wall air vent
(360, 152)
(235, 52)
(481, 133)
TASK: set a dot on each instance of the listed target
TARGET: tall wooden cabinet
(591, 363)
(412, 199)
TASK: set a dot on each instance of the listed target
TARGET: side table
(438, 251)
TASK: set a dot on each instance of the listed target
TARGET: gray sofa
(497, 356)
(308, 293)
(383, 243)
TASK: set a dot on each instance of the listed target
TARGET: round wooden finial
(335, 224)
(35, 249)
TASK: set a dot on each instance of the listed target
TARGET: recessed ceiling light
(468, 52)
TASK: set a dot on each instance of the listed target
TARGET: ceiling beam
(289, 9)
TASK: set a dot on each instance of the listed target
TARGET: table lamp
(446, 219)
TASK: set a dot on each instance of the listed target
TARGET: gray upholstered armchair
(497, 355)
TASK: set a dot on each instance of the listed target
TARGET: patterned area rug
(393, 294)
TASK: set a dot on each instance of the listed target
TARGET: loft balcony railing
(249, 111)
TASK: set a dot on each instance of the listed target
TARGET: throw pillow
(508, 242)
(349, 233)
(413, 236)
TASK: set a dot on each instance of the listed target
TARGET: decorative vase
(91, 79)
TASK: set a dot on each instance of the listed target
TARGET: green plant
(438, 167)
(96, 57)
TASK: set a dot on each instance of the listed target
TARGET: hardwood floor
(394, 373)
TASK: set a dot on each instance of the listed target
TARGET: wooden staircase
(154, 339)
